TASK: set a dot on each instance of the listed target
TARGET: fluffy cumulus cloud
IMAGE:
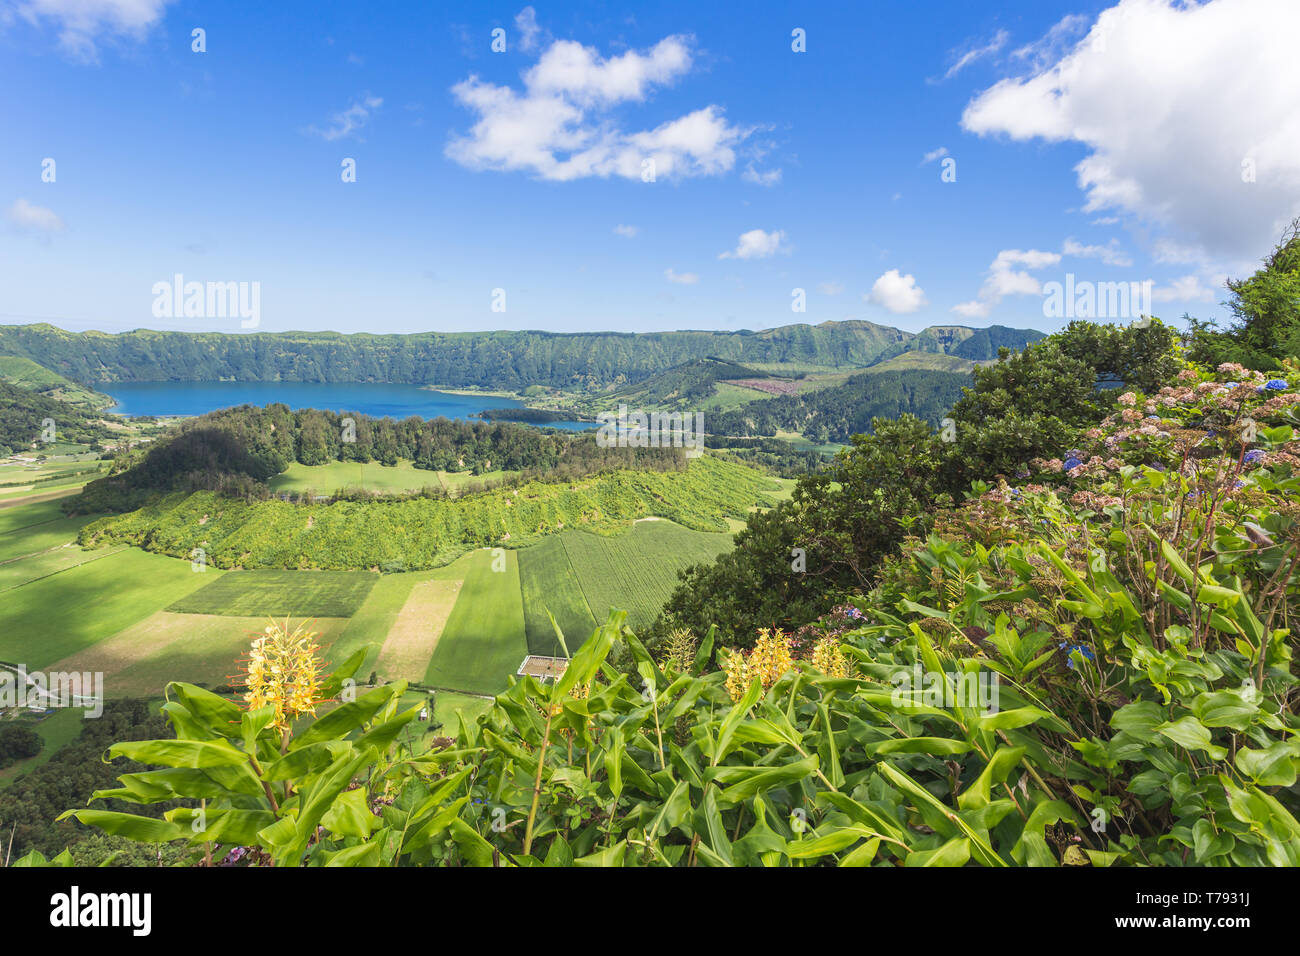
(562, 124)
(757, 244)
(681, 278)
(1188, 288)
(898, 293)
(1187, 111)
(82, 24)
(1008, 275)
(29, 218)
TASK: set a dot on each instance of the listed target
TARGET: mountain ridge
(498, 359)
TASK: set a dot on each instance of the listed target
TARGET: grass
(41, 537)
(205, 649)
(637, 571)
(14, 574)
(485, 637)
(59, 615)
(413, 638)
(28, 516)
(548, 582)
(372, 476)
(280, 593)
(57, 730)
(372, 621)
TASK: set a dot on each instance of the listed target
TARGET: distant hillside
(841, 411)
(24, 416)
(977, 345)
(689, 383)
(511, 360)
(24, 373)
(925, 361)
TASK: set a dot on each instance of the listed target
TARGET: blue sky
(1085, 137)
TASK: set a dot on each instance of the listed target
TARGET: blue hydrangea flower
(1254, 456)
(1275, 384)
(1071, 648)
(1071, 463)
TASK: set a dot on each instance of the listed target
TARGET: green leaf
(1190, 733)
(345, 718)
(918, 745)
(350, 816)
(366, 854)
(129, 825)
(180, 753)
(1274, 766)
(980, 791)
(956, 852)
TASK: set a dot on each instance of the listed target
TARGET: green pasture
(548, 582)
(280, 593)
(485, 638)
(637, 571)
(55, 616)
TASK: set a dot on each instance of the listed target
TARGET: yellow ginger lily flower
(828, 657)
(283, 670)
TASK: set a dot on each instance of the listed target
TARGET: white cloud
(1052, 45)
(1005, 279)
(81, 23)
(529, 31)
(831, 288)
(975, 53)
(349, 120)
(627, 232)
(1109, 253)
(561, 126)
(934, 154)
(757, 244)
(898, 293)
(1170, 100)
(681, 278)
(28, 217)
(769, 177)
(1185, 289)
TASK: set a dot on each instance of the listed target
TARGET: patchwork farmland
(144, 619)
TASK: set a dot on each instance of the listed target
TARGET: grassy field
(280, 593)
(204, 649)
(56, 616)
(485, 638)
(637, 571)
(372, 476)
(16, 573)
(369, 626)
(34, 539)
(548, 582)
(144, 619)
(57, 730)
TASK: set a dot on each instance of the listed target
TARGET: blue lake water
(378, 400)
